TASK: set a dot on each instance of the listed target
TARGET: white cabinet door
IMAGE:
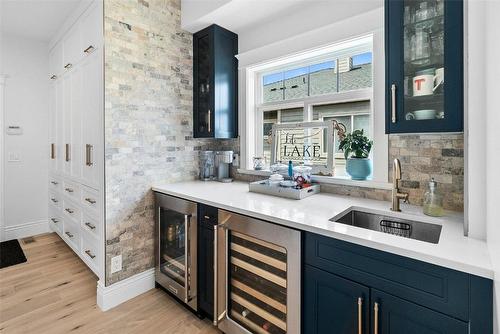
(66, 116)
(71, 47)
(59, 127)
(56, 65)
(92, 118)
(91, 27)
(52, 127)
(77, 152)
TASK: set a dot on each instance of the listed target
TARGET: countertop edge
(467, 268)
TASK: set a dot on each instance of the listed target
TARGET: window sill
(329, 180)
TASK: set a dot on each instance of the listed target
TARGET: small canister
(302, 173)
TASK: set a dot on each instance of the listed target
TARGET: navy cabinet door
(332, 304)
(206, 269)
(424, 66)
(392, 315)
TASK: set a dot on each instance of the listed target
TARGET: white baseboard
(115, 294)
(26, 230)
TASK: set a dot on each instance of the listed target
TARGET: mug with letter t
(427, 81)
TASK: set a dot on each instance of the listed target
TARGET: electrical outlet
(116, 264)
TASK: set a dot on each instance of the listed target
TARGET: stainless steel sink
(391, 225)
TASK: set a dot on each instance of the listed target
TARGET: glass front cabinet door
(424, 66)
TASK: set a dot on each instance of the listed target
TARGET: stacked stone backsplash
(426, 156)
(148, 122)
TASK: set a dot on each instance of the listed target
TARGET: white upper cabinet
(91, 24)
(71, 47)
(56, 61)
(59, 126)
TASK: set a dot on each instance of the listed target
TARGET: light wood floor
(54, 292)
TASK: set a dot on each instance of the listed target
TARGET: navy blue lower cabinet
(392, 315)
(333, 304)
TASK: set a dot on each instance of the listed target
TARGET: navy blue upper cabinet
(424, 66)
(215, 83)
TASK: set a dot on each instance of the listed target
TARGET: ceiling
(35, 19)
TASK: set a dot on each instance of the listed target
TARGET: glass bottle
(433, 200)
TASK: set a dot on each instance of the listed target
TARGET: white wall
(492, 155)
(26, 104)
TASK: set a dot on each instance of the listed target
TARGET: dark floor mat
(11, 253)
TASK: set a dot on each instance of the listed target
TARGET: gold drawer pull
(89, 253)
(54, 200)
(360, 315)
(89, 152)
(70, 190)
(54, 183)
(91, 226)
(55, 221)
(69, 211)
(53, 77)
(68, 65)
(90, 200)
(69, 235)
(206, 217)
(52, 151)
(90, 49)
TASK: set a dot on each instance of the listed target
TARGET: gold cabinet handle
(69, 235)
(375, 320)
(206, 217)
(70, 190)
(209, 120)
(91, 226)
(89, 253)
(54, 200)
(54, 183)
(53, 77)
(90, 200)
(89, 152)
(360, 315)
(67, 152)
(52, 151)
(55, 221)
(68, 65)
(393, 103)
(89, 49)
(69, 211)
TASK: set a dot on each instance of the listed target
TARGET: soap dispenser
(433, 200)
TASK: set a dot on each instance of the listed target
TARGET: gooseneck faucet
(396, 195)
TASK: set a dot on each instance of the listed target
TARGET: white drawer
(71, 210)
(55, 221)
(91, 200)
(90, 253)
(71, 234)
(72, 190)
(55, 183)
(90, 226)
(55, 199)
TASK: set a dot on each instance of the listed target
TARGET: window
(335, 86)
(334, 82)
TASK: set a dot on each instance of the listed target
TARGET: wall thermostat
(14, 130)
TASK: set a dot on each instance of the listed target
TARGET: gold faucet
(396, 195)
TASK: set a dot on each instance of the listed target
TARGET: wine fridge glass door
(173, 259)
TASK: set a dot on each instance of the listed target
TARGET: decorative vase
(359, 168)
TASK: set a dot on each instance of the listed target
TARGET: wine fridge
(175, 247)
(256, 276)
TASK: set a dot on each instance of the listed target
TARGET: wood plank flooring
(54, 292)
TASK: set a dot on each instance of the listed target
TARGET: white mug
(426, 84)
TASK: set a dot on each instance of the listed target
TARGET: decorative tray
(264, 187)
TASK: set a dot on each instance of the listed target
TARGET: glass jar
(258, 163)
(433, 201)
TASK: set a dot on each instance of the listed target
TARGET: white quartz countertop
(312, 214)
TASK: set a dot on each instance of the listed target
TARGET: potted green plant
(357, 147)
